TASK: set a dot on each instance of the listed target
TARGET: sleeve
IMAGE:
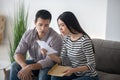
(63, 51)
(89, 53)
(22, 46)
(64, 57)
(55, 43)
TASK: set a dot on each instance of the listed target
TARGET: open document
(44, 45)
(58, 70)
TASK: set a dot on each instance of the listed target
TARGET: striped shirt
(80, 53)
(29, 43)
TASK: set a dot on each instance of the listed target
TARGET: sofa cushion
(108, 76)
(107, 55)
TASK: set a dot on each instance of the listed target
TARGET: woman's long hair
(72, 23)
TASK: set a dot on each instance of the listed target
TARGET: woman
(78, 47)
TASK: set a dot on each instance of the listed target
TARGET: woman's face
(63, 28)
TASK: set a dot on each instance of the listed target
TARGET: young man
(24, 69)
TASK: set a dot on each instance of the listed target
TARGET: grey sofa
(107, 57)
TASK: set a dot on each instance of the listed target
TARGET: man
(24, 69)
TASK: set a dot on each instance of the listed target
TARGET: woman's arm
(55, 58)
(89, 53)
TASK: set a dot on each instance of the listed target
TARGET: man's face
(42, 26)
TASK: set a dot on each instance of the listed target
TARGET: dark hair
(72, 24)
(44, 14)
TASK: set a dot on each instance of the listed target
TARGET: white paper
(44, 45)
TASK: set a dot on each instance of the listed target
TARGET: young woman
(78, 47)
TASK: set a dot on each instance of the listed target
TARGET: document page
(44, 45)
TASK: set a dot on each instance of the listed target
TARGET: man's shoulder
(54, 35)
(29, 33)
(53, 32)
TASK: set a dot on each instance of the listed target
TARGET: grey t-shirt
(28, 43)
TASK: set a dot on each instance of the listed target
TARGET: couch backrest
(107, 55)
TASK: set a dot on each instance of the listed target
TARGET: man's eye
(46, 25)
(40, 25)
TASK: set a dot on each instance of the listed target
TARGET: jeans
(42, 73)
(74, 77)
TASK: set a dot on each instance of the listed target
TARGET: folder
(58, 70)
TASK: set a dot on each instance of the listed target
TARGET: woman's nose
(60, 28)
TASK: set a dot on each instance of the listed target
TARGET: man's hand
(44, 52)
(25, 73)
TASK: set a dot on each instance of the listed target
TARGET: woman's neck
(75, 37)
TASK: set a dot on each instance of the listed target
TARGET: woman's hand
(69, 72)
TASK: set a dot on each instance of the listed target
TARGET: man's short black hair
(44, 14)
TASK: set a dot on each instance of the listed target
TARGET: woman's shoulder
(67, 37)
(86, 38)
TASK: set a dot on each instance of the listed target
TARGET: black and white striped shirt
(80, 53)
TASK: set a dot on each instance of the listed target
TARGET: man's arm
(56, 44)
(35, 66)
(21, 50)
(25, 72)
(20, 59)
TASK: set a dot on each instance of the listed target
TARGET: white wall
(90, 13)
(113, 20)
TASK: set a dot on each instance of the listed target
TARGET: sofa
(107, 57)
